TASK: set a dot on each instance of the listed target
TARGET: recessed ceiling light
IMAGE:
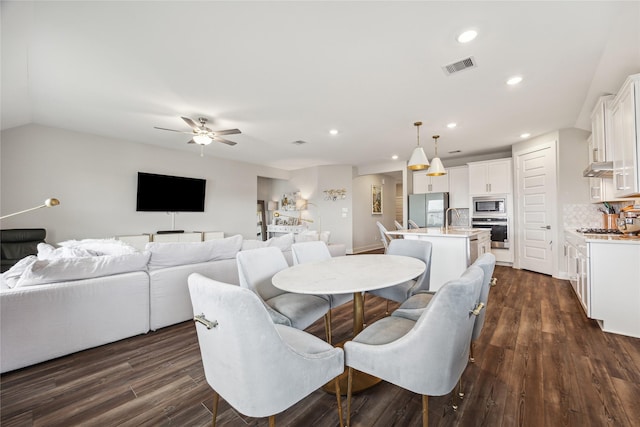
(452, 125)
(525, 135)
(467, 36)
(333, 131)
(394, 157)
(514, 80)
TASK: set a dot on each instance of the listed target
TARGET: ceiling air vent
(299, 142)
(461, 65)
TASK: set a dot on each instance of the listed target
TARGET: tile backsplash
(586, 214)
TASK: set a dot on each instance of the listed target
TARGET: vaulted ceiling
(291, 71)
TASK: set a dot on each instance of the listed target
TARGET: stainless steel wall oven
(499, 227)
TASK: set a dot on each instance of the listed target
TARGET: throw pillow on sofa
(180, 253)
(281, 242)
(101, 246)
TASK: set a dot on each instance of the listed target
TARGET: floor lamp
(49, 203)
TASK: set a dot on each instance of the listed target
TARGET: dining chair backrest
(304, 252)
(383, 235)
(398, 225)
(247, 359)
(412, 224)
(256, 267)
(420, 249)
(487, 263)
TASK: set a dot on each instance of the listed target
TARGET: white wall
(95, 179)
(365, 231)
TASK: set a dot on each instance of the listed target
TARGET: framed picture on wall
(376, 199)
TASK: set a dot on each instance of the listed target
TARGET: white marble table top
(346, 274)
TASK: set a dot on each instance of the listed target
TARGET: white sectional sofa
(44, 321)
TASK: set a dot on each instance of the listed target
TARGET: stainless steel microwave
(489, 206)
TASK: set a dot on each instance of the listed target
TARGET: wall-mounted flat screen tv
(165, 193)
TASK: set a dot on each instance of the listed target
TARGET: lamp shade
(418, 160)
(202, 139)
(436, 168)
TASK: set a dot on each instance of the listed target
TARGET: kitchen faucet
(446, 218)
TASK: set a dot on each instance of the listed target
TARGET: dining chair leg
(339, 401)
(272, 421)
(386, 312)
(454, 400)
(349, 385)
(460, 392)
(425, 410)
(216, 399)
(472, 358)
(327, 326)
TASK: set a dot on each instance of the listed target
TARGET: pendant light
(418, 159)
(436, 168)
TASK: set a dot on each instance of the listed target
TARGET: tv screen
(164, 193)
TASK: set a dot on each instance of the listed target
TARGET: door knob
(546, 227)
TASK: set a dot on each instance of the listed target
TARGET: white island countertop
(470, 233)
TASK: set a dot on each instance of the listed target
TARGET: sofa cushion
(47, 251)
(66, 269)
(179, 253)
(281, 242)
(101, 246)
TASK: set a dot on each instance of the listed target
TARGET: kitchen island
(453, 250)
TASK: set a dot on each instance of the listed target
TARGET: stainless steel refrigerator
(428, 209)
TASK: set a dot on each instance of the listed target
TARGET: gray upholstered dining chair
(383, 235)
(258, 367)
(413, 307)
(427, 356)
(317, 250)
(420, 249)
(256, 267)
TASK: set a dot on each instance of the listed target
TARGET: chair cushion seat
(413, 307)
(337, 300)
(398, 293)
(385, 330)
(301, 309)
(303, 342)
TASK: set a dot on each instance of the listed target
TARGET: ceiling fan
(203, 135)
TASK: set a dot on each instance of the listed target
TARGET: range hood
(599, 170)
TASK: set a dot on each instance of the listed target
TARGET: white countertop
(605, 238)
(438, 232)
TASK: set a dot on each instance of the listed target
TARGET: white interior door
(536, 181)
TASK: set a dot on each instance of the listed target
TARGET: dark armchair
(18, 243)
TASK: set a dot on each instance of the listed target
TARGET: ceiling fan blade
(173, 130)
(191, 142)
(226, 132)
(224, 141)
(191, 123)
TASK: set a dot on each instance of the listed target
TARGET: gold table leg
(361, 381)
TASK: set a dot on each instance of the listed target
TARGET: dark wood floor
(539, 362)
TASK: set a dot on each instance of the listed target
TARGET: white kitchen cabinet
(484, 243)
(459, 187)
(422, 183)
(625, 114)
(615, 289)
(490, 177)
(600, 143)
(578, 270)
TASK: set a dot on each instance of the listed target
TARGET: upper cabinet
(600, 145)
(458, 187)
(490, 177)
(625, 118)
(422, 183)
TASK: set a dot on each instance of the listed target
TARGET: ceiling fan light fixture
(202, 139)
(418, 160)
(436, 168)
